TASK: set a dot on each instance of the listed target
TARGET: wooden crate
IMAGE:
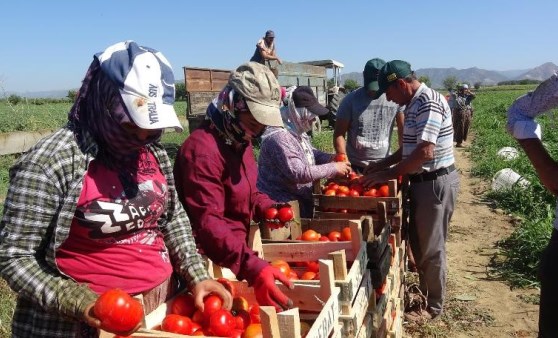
(380, 270)
(318, 301)
(358, 204)
(396, 330)
(352, 322)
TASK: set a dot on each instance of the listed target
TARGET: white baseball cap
(146, 83)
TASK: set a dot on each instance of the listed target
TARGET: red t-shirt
(114, 242)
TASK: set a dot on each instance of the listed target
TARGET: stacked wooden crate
(381, 219)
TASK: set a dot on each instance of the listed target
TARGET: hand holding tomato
(115, 311)
(342, 168)
(204, 288)
(278, 215)
(340, 157)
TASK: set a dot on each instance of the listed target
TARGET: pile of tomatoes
(309, 270)
(242, 321)
(354, 188)
(277, 217)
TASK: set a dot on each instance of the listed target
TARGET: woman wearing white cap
(93, 207)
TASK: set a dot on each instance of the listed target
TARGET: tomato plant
(183, 305)
(221, 322)
(211, 304)
(118, 311)
(177, 324)
(285, 214)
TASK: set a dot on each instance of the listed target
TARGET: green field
(534, 205)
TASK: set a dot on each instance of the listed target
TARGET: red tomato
(324, 238)
(343, 189)
(282, 265)
(330, 192)
(372, 192)
(341, 194)
(313, 266)
(253, 331)
(211, 304)
(353, 175)
(228, 285)
(285, 214)
(346, 234)
(354, 193)
(195, 328)
(270, 213)
(242, 319)
(177, 324)
(198, 318)
(333, 186)
(236, 333)
(221, 322)
(383, 191)
(310, 235)
(254, 314)
(308, 275)
(118, 311)
(340, 158)
(183, 305)
(334, 236)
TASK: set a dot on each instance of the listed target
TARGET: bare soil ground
(478, 305)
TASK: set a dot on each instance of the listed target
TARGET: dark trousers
(548, 275)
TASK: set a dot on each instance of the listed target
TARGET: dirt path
(492, 308)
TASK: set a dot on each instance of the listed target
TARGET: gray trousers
(431, 207)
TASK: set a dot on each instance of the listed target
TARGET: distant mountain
(473, 75)
(539, 73)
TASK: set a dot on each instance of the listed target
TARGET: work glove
(267, 293)
(521, 114)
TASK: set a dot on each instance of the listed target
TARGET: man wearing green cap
(364, 123)
(427, 158)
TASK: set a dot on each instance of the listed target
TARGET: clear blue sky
(47, 45)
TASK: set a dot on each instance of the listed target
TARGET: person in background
(427, 158)
(522, 126)
(216, 173)
(365, 121)
(288, 163)
(265, 52)
(93, 206)
(462, 112)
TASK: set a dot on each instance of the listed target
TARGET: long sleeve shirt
(45, 185)
(287, 166)
(217, 185)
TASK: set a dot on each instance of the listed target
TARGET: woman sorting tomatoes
(215, 174)
(93, 207)
(288, 163)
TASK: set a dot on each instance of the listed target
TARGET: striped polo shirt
(428, 118)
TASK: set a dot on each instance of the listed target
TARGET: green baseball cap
(371, 72)
(391, 71)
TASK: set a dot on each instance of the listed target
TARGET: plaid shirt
(45, 185)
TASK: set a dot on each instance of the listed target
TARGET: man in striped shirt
(427, 158)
